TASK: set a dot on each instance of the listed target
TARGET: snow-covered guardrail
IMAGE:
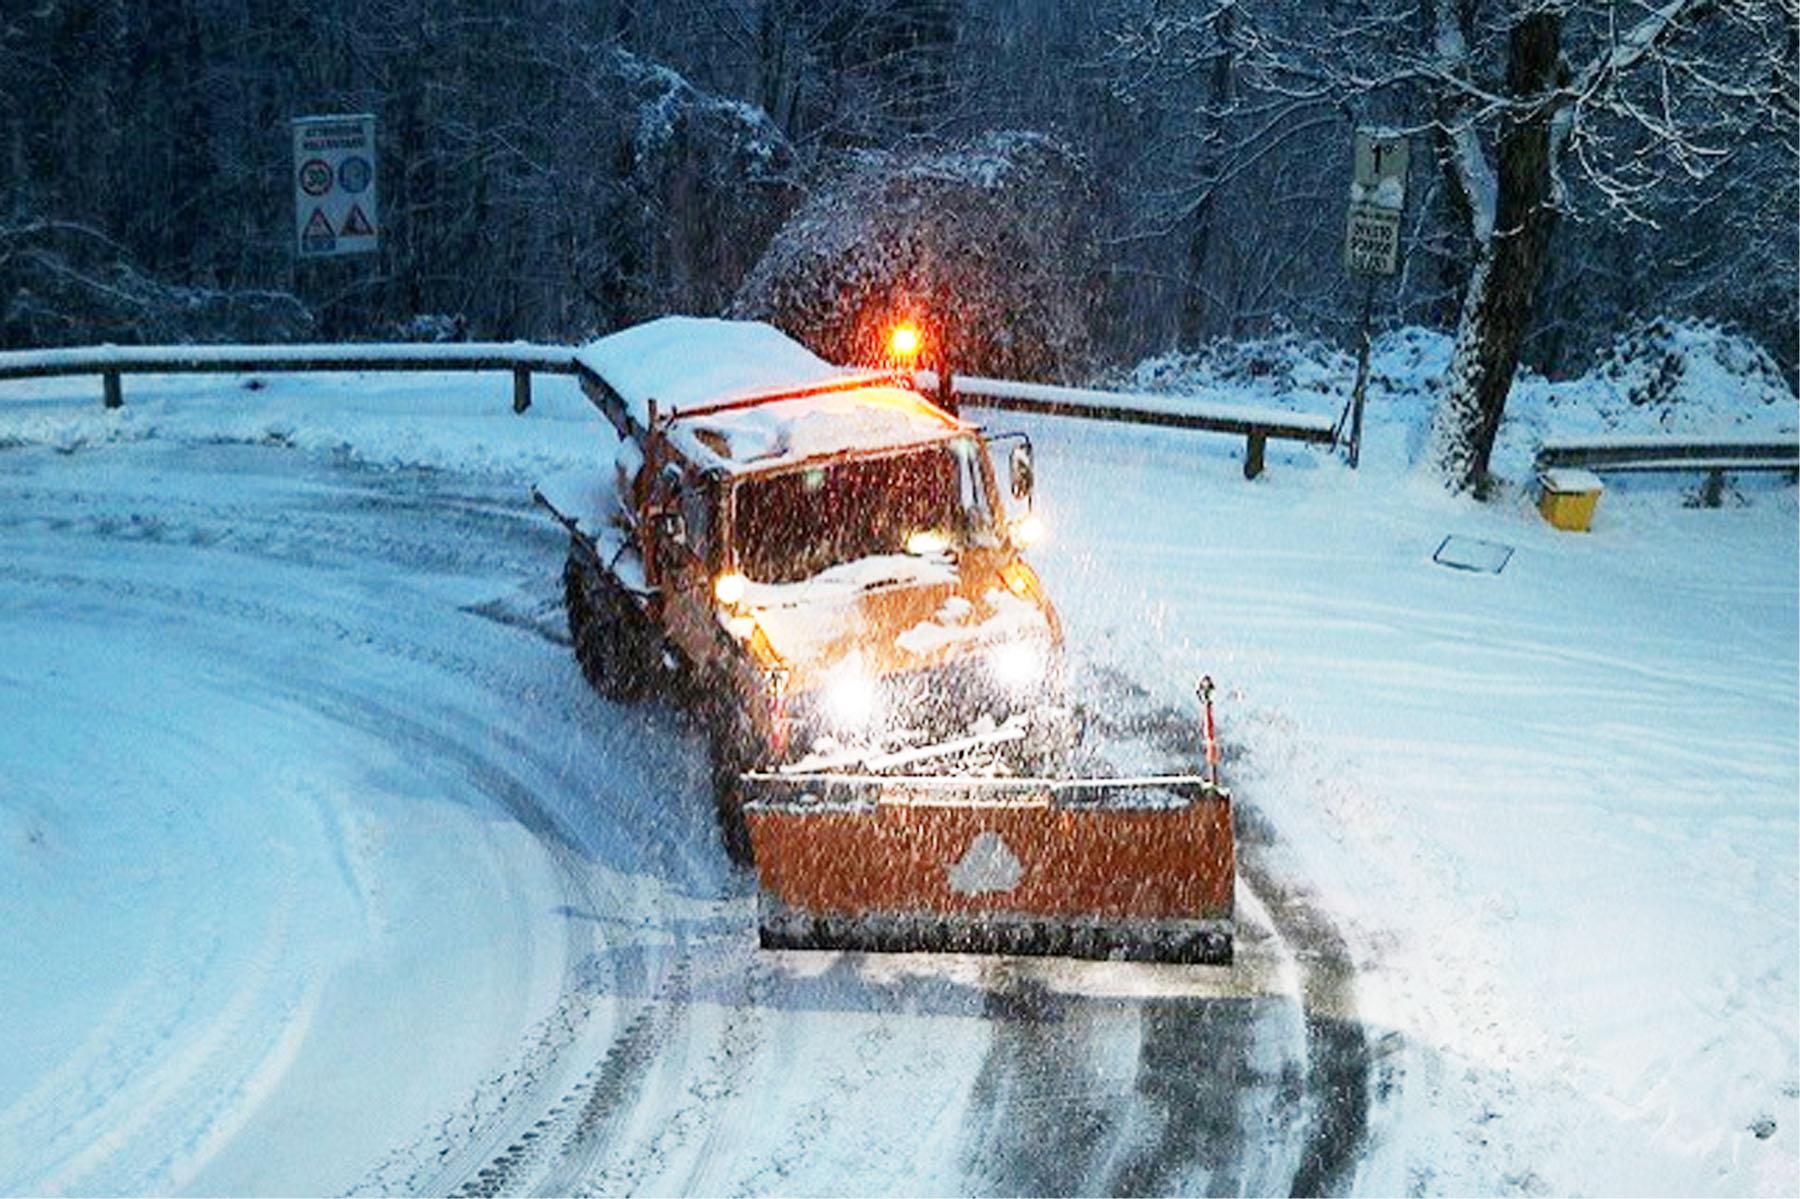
(1723, 453)
(523, 359)
(1256, 425)
(111, 363)
(1715, 456)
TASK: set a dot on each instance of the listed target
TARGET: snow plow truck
(822, 562)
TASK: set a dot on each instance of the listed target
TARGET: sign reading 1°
(1377, 199)
(334, 186)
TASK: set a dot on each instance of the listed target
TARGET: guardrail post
(521, 389)
(1253, 455)
(1712, 493)
(110, 389)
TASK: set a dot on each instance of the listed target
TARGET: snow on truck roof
(686, 364)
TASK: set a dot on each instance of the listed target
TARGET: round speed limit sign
(315, 177)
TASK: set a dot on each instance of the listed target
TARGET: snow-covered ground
(1556, 807)
(326, 872)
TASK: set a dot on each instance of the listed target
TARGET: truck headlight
(927, 543)
(729, 588)
(1017, 665)
(851, 698)
(1028, 529)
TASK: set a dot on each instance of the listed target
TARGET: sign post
(334, 186)
(1372, 241)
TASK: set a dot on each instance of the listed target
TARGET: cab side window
(696, 506)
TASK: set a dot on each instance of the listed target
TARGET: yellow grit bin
(1567, 497)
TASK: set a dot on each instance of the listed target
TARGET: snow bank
(1669, 377)
(400, 420)
(1288, 372)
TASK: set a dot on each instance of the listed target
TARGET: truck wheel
(729, 756)
(611, 643)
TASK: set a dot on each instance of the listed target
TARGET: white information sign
(1377, 200)
(334, 186)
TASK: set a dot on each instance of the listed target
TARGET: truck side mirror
(1020, 471)
(672, 527)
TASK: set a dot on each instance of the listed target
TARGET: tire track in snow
(479, 753)
(346, 704)
(701, 1111)
(1195, 1053)
(449, 741)
(572, 1131)
(1147, 1079)
(1047, 1118)
(1339, 1061)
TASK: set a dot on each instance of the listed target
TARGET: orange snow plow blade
(1126, 869)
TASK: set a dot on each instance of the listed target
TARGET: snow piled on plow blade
(1134, 870)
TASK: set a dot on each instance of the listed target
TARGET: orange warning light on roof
(904, 341)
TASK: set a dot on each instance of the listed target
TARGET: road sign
(1372, 243)
(334, 186)
(317, 236)
(356, 224)
(1377, 200)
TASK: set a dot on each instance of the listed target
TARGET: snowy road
(395, 903)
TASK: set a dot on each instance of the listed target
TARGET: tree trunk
(1498, 308)
(1193, 326)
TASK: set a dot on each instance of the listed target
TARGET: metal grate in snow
(1472, 553)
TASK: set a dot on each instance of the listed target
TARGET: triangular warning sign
(988, 865)
(356, 224)
(317, 226)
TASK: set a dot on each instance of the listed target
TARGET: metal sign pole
(1372, 244)
(1362, 373)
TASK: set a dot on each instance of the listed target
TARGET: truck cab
(824, 557)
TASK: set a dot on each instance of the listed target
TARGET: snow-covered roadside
(1557, 807)
(222, 879)
(194, 896)
(461, 422)
(1673, 378)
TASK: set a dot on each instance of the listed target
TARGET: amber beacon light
(904, 342)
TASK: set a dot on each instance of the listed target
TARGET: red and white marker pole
(1205, 691)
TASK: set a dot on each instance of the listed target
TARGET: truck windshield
(793, 525)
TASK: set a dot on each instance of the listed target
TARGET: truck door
(685, 550)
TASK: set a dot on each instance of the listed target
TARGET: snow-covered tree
(553, 167)
(982, 243)
(1634, 100)
(1536, 110)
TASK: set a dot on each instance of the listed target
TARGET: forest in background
(1064, 186)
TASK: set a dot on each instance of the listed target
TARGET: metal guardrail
(1715, 456)
(1257, 426)
(1671, 453)
(111, 363)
